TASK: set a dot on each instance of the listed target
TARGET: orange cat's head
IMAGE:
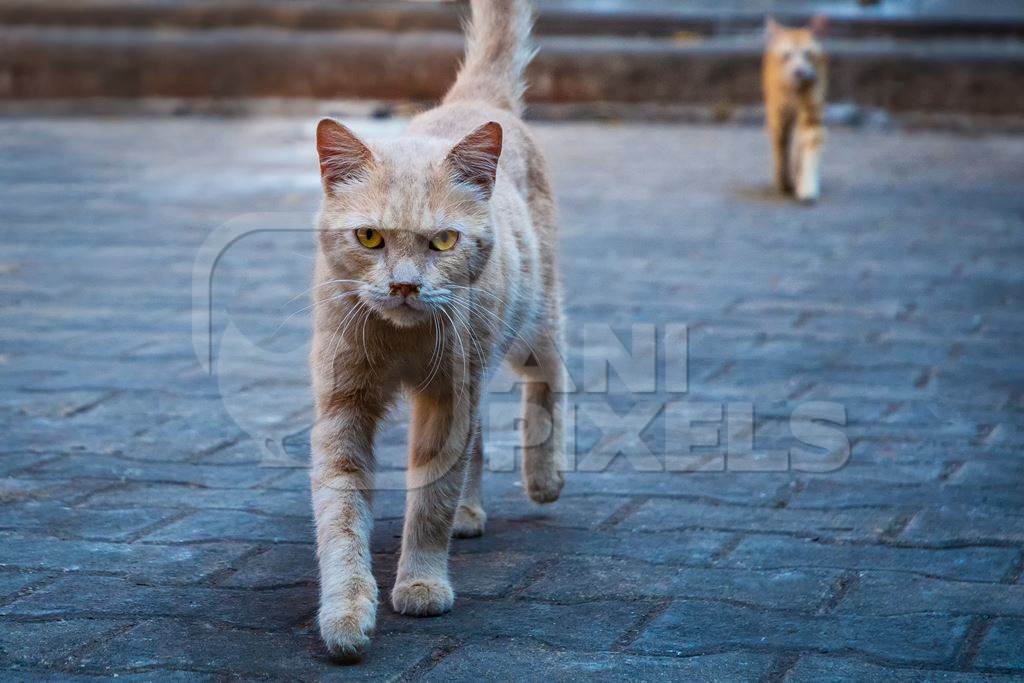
(796, 53)
(405, 225)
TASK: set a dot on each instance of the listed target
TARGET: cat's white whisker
(462, 348)
(336, 297)
(319, 286)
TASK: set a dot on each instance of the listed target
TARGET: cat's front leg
(342, 483)
(442, 426)
(809, 180)
(779, 132)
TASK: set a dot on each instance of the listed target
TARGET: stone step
(632, 18)
(977, 76)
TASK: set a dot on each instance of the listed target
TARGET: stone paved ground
(149, 531)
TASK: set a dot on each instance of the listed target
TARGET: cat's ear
(343, 156)
(819, 26)
(772, 28)
(474, 161)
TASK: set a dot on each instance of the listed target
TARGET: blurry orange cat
(794, 78)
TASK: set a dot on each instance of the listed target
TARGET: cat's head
(406, 221)
(797, 52)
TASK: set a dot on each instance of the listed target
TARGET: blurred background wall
(936, 59)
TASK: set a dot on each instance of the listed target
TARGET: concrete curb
(554, 17)
(977, 77)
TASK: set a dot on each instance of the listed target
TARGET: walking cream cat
(794, 78)
(436, 258)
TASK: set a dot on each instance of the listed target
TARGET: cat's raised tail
(498, 51)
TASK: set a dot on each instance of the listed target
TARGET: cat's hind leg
(543, 428)
(470, 517)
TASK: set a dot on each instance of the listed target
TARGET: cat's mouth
(404, 311)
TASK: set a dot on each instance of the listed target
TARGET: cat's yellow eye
(444, 240)
(370, 238)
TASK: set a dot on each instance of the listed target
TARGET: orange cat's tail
(497, 53)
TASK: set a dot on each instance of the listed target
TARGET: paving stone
(13, 463)
(11, 583)
(108, 597)
(592, 625)
(692, 547)
(182, 496)
(14, 490)
(118, 469)
(814, 669)
(692, 627)
(898, 593)
(836, 494)
(511, 659)
(989, 472)
(1002, 648)
(201, 646)
(962, 523)
(592, 578)
(50, 643)
(584, 512)
(232, 525)
(54, 519)
(278, 565)
(142, 562)
(662, 514)
(776, 552)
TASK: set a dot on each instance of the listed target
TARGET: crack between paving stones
(898, 526)
(726, 549)
(156, 526)
(967, 652)
(782, 666)
(217, 576)
(627, 509)
(846, 582)
(532, 575)
(28, 590)
(86, 407)
(216, 448)
(950, 469)
(77, 653)
(1014, 573)
(420, 669)
(634, 631)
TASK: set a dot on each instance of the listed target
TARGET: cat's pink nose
(404, 289)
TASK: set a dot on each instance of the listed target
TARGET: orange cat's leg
(810, 137)
(440, 435)
(342, 482)
(780, 133)
(543, 429)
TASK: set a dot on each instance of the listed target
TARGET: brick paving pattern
(155, 520)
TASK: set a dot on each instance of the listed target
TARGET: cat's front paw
(346, 624)
(469, 521)
(422, 597)
(544, 486)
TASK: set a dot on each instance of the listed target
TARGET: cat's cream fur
(795, 79)
(470, 165)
